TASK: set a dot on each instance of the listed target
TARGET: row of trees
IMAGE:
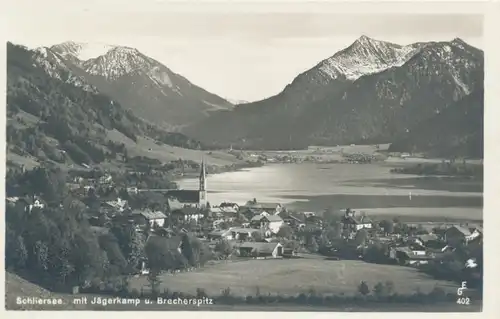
(56, 245)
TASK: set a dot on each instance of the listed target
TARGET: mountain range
(139, 83)
(55, 115)
(370, 92)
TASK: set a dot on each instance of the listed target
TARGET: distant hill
(371, 92)
(139, 83)
(456, 131)
(54, 114)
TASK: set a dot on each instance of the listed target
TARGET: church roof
(185, 196)
(187, 211)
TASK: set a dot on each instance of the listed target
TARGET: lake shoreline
(316, 187)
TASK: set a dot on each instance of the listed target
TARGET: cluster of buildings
(253, 229)
(421, 249)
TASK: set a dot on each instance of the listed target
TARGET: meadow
(289, 277)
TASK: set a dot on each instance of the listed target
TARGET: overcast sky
(243, 56)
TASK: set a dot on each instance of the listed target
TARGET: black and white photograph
(229, 157)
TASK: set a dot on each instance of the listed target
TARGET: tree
(363, 288)
(16, 253)
(361, 237)
(389, 287)
(154, 280)
(313, 245)
(387, 225)
(334, 232)
(257, 236)
(379, 289)
(285, 231)
(223, 247)
(331, 217)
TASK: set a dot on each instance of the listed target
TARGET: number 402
(463, 301)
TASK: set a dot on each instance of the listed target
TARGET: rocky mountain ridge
(370, 92)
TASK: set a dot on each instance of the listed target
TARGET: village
(261, 230)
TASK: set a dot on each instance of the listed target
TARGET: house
(220, 234)
(266, 221)
(152, 217)
(476, 232)
(289, 252)
(353, 221)
(88, 189)
(12, 200)
(187, 213)
(118, 205)
(313, 221)
(239, 233)
(105, 179)
(272, 208)
(260, 250)
(405, 256)
(428, 240)
(226, 207)
(132, 190)
(292, 220)
(165, 232)
(309, 214)
(456, 235)
(29, 203)
(258, 208)
(249, 212)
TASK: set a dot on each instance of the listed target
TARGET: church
(180, 198)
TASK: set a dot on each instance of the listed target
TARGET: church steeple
(203, 185)
(203, 182)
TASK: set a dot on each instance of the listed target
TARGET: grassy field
(166, 153)
(290, 277)
(16, 286)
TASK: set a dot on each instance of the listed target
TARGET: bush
(200, 293)
(363, 288)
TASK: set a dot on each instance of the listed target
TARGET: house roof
(463, 230)
(260, 247)
(299, 218)
(427, 237)
(359, 219)
(269, 205)
(12, 199)
(184, 196)
(186, 211)
(407, 251)
(148, 214)
(226, 204)
(476, 227)
(271, 218)
(242, 230)
(219, 232)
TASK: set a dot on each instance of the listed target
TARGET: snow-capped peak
(366, 56)
(56, 67)
(82, 51)
(119, 61)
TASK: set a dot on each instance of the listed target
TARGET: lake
(371, 187)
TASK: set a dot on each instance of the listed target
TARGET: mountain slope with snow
(81, 51)
(144, 85)
(366, 56)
